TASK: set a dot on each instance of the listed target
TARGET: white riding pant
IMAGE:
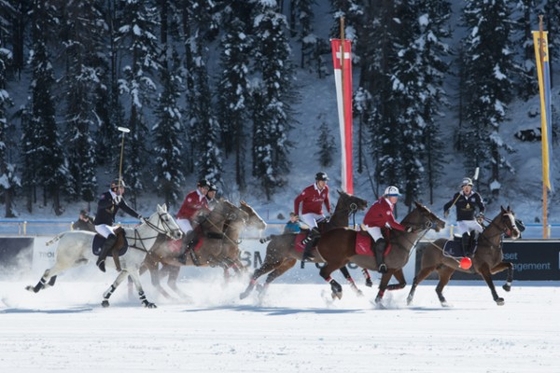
(185, 225)
(374, 232)
(467, 226)
(104, 230)
(310, 219)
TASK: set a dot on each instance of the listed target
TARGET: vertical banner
(543, 70)
(342, 61)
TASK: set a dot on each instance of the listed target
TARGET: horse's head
(507, 223)
(255, 220)
(352, 203)
(422, 218)
(162, 222)
(233, 213)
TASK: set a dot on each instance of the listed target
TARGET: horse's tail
(55, 238)
(267, 238)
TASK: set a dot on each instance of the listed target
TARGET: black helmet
(203, 183)
(321, 176)
(212, 188)
(117, 182)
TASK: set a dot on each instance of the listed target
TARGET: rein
(137, 238)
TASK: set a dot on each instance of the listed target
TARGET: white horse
(75, 249)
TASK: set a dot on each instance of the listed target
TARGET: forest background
(241, 93)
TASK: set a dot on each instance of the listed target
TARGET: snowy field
(293, 329)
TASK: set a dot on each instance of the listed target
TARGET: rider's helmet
(466, 181)
(117, 182)
(203, 183)
(212, 187)
(392, 191)
(321, 176)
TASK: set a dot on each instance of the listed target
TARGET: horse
(338, 247)
(233, 225)
(487, 259)
(281, 253)
(75, 249)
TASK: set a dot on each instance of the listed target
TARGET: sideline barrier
(534, 260)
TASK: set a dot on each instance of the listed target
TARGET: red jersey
(380, 214)
(193, 203)
(312, 200)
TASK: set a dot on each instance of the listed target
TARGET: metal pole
(123, 130)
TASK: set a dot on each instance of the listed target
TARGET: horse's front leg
(501, 267)
(351, 281)
(383, 286)
(325, 273)
(487, 276)
(399, 276)
(266, 267)
(42, 284)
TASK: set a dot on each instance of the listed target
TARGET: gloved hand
(387, 225)
(118, 199)
(408, 229)
(140, 217)
(446, 213)
(480, 218)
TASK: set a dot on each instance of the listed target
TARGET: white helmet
(392, 191)
(467, 181)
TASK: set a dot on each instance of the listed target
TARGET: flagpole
(544, 189)
(342, 148)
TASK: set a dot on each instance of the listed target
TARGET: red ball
(465, 263)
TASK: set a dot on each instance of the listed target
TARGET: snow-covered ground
(293, 329)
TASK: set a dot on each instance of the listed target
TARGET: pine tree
(136, 34)
(42, 146)
(272, 54)
(10, 180)
(234, 94)
(326, 144)
(84, 33)
(489, 71)
(168, 175)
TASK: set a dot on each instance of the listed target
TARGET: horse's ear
(502, 208)
(339, 192)
(243, 203)
(418, 205)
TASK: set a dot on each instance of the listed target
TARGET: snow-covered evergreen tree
(234, 94)
(84, 43)
(46, 166)
(9, 181)
(137, 35)
(272, 62)
(489, 70)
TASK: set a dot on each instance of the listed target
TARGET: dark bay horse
(220, 247)
(487, 259)
(338, 248)
(281, 254)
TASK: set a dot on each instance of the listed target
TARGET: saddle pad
(453, 249)
(298, 246)
(363, 244)
(99, 240)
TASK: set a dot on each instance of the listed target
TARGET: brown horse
(217, 249)
(487, 259)
(338, 248)
(281, 254)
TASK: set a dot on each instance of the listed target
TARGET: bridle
(166, 229)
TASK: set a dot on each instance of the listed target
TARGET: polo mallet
(123, 130)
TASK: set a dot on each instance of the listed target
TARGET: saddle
(119, 248)
(365, 244)
(454, 248)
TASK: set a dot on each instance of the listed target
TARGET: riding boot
(107, 246)
(310, 241)
(379, 255)
(466, 244)
(187, 244)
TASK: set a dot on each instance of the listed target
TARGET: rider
(379, 220)
(107, 207)
(84, 222)
(292, 226)
(465, 202)
(193, 210)
(211, 196)
(312, 199)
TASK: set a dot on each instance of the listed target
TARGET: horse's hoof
(336, 295)
(150, 305)
(30, 288)
(500, 301)
(506, 287)
(245, 294)
(359, 293)
(105, 303)
(369, 283)
(445, 304)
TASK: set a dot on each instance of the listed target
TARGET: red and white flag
(342, 60)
